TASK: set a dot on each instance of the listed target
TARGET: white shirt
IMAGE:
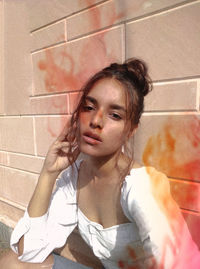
(157, 228)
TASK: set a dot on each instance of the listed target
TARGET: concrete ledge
(5, 233)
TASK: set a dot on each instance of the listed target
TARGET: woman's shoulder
(143, 177)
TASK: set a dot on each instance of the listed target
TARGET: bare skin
(99, 195)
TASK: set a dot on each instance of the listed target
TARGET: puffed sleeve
(147, 200)
(43, 234)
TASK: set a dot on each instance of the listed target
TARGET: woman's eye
(88, 108)
(116, 116)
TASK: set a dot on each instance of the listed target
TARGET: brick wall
(48, 49)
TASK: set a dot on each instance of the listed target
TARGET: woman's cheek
(84, 119)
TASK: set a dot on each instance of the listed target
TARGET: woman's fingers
(64, 147)
(59, 145)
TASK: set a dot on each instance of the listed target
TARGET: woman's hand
(58, 155)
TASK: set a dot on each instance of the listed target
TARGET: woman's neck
(107, 166)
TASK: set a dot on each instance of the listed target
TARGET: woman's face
(103, 119)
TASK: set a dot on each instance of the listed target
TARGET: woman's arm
(55, 161)
(39, 203)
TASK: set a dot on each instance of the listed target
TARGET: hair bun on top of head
(137, 71)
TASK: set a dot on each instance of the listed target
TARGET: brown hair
(133, 75)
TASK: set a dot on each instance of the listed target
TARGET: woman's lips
(92, 138)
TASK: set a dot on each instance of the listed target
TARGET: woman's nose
(97, 120)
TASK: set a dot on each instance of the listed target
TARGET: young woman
(119, 207)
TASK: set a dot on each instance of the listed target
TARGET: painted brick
(168, 42)
(186, 194)
(21, 181)
(73, 100)
(17, 64)
(24, 162)
(172, 97)
(47, 130)
(17, 134)
(10, 214)
(45, 12)
(48, 36)
(170, 143)
(91, 20)
(58, 104)
(193, 222)
(112, 12)
(67, 67)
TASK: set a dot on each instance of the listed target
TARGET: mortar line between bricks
(172, 113)
(123, 42)
(48, 47)
(175, 81)
(18, 169)
(162, 11)
(34, 115)
(170, 110)
(52, 94)
(9, 202)
(65, 29)
(96, 32)
(172, 80)
(47, 26)
(34, 137)
(65, 17)
(198, 96)
(21, 154)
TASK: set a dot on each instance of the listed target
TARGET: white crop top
(157, 227)
(109, 244)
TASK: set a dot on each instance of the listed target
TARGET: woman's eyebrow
(112, 106)
(118, 107)
(91, 99)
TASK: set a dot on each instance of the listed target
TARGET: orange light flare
(175, 150)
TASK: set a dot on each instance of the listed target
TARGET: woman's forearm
(39, 202)
(55, 162)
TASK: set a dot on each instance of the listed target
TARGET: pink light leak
(65, 72)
